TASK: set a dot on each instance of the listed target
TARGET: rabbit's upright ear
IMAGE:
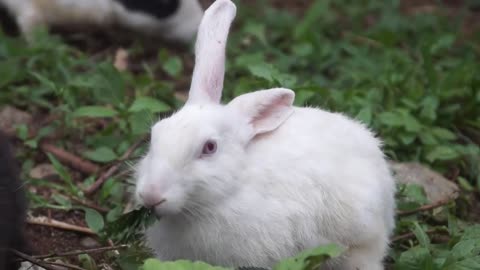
(265, 110)
(209, 71)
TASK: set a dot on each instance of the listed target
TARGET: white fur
(29, 14)
(283, 178)
(212, 35)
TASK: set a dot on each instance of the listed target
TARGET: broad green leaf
(365, 115)
(411, 123)
(466, 248)
(9, 72)
(422, 237)
(94, 219)
(302, 96)
(257, 30)
(247, 59)
(472, 233)
(472, 263)
(391, 119)
(45, 81)
(429, 108)
(173, 66)
(109, 84)
(149, 104)
(154, 264)
(443, 133)
(285, 80)
(94, 111)
(87, 262)
(317, 10)
(129, 226)
(114, 214)
(310, 259)
(102, 154)
(261, 70)
(407, 138)
(60, 169)
(415, 193)
(62, 201)
(427, 138)
(302, 49)
(141, 122)
(22, 131)
(453, 227)
(443, 43)
(441, 152)
(465, 184)
(465, 254)
(416, 258)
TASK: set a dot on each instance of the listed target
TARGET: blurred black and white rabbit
(174, 20)
(12, 207)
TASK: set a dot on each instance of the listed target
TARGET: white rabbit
(257, 180)
(175, 20)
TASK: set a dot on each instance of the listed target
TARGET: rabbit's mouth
(170, 205)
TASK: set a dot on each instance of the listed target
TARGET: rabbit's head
(196, 154)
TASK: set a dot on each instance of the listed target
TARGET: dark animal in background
(173, 20)
(12, 207)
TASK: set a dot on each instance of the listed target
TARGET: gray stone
(89, 242)
(10, 117)
(30, 266)
(435, 185)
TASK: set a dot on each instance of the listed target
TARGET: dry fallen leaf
(121, 59)
(43, 171)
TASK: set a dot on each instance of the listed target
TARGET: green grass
(413, 79)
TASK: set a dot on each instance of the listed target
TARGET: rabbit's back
(334, 161)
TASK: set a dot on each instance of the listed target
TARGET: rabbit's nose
(150, 200)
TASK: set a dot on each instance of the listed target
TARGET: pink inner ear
(213, 81)
(208, 73)
(270, 111)
(270, 115)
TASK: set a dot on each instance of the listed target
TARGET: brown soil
(46, 240)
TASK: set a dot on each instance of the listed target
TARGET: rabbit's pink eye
(209, 148)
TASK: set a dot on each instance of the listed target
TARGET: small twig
(100, 180)
(34, 261)
(44, 221)
(424, 207)
(70, 159)
(89, 204)
(123, 173)
(363, 40)
(410, 235)
(78, 252)
(110, 243)
(65, 265)
(113, 169)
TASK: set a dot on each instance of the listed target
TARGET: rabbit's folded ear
(209, 70)
(265, 110)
